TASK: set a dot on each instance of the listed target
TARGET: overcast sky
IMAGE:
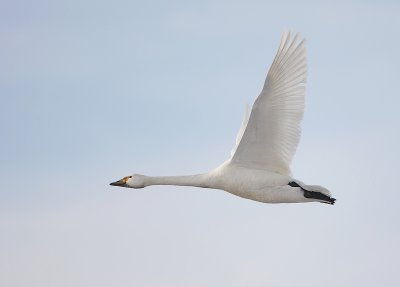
(92, 91)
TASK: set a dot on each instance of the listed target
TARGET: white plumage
(259, 167)
(242, 129)
(273, 131)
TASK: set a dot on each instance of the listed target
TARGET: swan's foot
(314, 194)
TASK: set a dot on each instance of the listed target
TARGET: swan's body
(259, 165)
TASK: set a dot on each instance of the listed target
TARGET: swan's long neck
(198, 180)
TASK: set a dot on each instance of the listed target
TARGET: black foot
(314, 194)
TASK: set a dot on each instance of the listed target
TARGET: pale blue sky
(95, 90)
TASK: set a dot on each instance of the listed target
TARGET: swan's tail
(315, 192)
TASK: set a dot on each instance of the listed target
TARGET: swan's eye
(125, 179)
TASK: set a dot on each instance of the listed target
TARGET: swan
(259, 166)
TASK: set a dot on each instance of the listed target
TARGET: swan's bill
(121, 182)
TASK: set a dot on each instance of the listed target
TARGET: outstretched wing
(273, 130)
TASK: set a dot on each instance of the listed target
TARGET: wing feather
(242, 128)
(272, 133)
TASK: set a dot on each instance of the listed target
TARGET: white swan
(267, 140)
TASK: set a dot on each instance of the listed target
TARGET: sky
(92, 91)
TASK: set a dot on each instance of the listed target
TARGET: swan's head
(132, 181)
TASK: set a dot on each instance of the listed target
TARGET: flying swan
(267, 140)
